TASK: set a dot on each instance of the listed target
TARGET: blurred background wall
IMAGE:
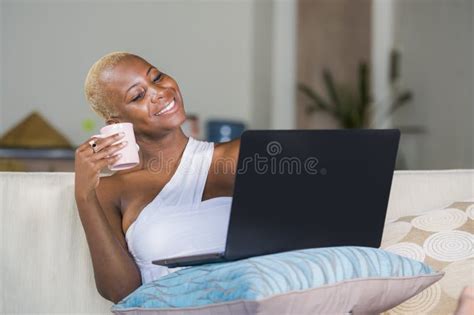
(433, 42)
(436, 38)
(242, 59)
(218, 51)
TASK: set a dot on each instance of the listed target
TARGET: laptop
(297, 189)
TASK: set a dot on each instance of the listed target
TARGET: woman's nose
(157, 95)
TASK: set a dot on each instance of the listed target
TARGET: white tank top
(176, 222)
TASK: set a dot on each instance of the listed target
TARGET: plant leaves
(364, 91)
(400, 100)
(319, 102)
(332, 93)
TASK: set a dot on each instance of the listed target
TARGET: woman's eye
(136, 98)
(158, 77)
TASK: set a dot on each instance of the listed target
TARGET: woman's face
(144, 96)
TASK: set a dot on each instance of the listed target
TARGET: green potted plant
(354, 108)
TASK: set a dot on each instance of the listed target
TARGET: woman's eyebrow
(149, 69)
(147, 73)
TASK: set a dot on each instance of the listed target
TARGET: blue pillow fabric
(263, 276)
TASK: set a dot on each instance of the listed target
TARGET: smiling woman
(176, 174)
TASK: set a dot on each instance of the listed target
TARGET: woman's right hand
(87, 164)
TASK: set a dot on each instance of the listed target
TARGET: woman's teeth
(166, 109)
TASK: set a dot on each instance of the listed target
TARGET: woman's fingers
(109, 151)
(84, 148)
(102, 143)
(107, 161)
(88, 163)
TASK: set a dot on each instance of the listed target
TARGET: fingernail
(124, 143)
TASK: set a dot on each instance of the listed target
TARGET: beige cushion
(444, 240)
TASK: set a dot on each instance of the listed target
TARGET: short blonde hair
(94, 88)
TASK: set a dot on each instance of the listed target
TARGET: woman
(163, 206)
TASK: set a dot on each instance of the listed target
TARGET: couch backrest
(415, 192)
(45, 261)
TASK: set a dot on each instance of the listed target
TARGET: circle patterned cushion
(442, 239)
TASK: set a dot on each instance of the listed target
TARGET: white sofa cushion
(415, 192)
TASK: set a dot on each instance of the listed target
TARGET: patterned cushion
(442, 239)
(320, 280)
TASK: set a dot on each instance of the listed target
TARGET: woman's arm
(116, 274)
(115, 271)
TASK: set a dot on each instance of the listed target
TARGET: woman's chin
(170, 120)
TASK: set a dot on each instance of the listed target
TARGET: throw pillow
(444, 240)
(318, 280)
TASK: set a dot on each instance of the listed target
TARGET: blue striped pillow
(261, 277)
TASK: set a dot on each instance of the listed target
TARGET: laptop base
(190, 260)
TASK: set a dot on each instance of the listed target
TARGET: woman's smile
(170, 108)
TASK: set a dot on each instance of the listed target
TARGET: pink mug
(129, 153)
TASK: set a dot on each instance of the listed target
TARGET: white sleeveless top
(176, 222)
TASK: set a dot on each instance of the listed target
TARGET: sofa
(45, 261)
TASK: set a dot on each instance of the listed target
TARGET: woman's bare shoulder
(224, 164)
(109, 189)
(228, 150)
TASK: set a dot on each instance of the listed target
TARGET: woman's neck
(162, 154)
